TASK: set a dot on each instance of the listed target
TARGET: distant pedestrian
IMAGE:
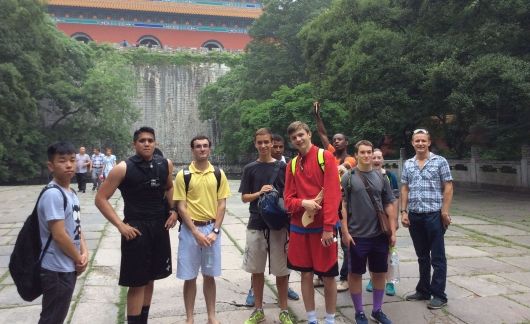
(426, 196)
(97, 167)
(200, 192)
(67, 256)
(109, 161)
(144, 180)
(82, 166)
(364, 187)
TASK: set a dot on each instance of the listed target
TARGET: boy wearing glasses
(426, 195)
(201, 201)
(144, 181)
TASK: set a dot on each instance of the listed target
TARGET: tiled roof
(159, 6)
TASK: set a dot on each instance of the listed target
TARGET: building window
(82, 37)
(212, 44)
(149, 41)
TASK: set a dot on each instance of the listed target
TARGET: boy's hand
(316, 108)
(81, 266)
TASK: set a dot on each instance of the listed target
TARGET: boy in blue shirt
(67, 255)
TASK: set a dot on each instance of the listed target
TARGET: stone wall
(167, 97)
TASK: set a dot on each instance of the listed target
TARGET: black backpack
(25, 261)
(271, 206)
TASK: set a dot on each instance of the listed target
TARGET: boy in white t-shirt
(67, 254)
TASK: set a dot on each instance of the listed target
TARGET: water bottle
(207, 257)
(393, 266)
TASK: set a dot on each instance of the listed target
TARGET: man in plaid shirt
(426, 195)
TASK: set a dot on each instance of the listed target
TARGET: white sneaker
(342, 285)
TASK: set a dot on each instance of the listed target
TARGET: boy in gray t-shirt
(361, 231)
(67, 255)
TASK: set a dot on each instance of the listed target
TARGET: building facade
(213, 24)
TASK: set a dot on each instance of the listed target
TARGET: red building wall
(168, 37)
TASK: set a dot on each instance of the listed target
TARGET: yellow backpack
(320, 159)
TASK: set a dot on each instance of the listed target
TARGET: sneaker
(285, 318)
(436, 303)
(380, 317)
(257, 316)
(317, 282)
(417, 296)
(312, 322)
(291, 294)
(390, 289)
(250, 298)
(369, 287)
(342, 286)
(360, 318)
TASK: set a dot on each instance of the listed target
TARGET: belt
(199, 223)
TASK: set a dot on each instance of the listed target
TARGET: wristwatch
(173, 209)
(216, 231)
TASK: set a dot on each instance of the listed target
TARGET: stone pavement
(487, 250)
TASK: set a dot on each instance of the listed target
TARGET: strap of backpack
(369, 191)
(275, 171)
(217, 173)
(187, 177)
(320, 159)
(49, 241)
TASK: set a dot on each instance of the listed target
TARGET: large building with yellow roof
(212, 24)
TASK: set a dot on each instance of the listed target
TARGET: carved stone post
(475, 156)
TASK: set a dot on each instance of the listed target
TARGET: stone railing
(483, 173)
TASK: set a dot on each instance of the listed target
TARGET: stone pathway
(488, 268)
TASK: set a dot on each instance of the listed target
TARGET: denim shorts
(191, 256)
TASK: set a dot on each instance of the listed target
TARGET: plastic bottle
(393, 266)
(207, 257)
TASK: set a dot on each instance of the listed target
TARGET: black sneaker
(436, 303)
(380, 317)
(360, 318)
(417, 296)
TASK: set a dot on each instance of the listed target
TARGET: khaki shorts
(255, 257)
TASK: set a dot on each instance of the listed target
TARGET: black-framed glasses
(420, 131)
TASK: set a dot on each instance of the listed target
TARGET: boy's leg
(190, 291)
(330, 294)
(209, 290)
(58, 288)
(308, 291)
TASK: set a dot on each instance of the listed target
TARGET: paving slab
(477, 266)
(496, 230)
(519, 240)
(453, 251)
(499, 251)
(522, 262)
(29, 313)
(521, 277)
(94, 312)
(488, 285)
(490, 309)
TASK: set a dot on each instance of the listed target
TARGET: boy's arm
(321, 130)
(81, 267)
(172, 219)
(63, 240)
(107, 189)
(293, 204)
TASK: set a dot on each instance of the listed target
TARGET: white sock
(312, 316)
(330, 318)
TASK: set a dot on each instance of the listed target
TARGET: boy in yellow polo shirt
(200, 191)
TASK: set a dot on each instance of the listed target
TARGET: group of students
(325, 192)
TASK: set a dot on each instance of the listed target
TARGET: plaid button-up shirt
(426, 184)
